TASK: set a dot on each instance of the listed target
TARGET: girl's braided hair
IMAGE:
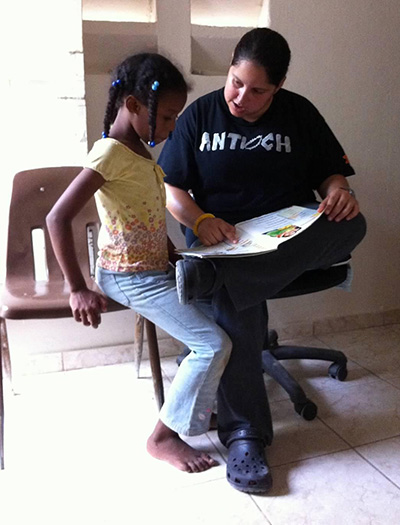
(146, 76)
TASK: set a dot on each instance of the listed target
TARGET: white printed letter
(218, 141)
(253, 143)
(234, 139)
(269, 137)
(205, 141)
(285, 144)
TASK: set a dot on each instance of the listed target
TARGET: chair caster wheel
(338, 371)
(307, 410)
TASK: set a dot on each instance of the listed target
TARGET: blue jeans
(188, 406)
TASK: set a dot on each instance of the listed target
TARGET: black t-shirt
(238, 170)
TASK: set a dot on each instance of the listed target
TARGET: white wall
(42, 92)
(345, 60)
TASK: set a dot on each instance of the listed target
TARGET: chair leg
(4, 358)
(338, 368)
(6, 350)
(1, 414)
(138, 344)
(155, 364)
(302, 405)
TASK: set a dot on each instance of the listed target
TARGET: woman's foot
(247, 468)
(166, 445)
(196, 278)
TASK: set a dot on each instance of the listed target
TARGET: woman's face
(248, 91)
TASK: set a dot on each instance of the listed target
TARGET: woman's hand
(339, 204)
(213, 230)
(87, 307)
(186, 211)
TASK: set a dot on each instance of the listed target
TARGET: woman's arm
(338, 203)
(86, 305)
(186, 211)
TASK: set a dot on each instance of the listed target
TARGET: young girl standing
(146, 95)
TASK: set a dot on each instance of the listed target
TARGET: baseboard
(338, 324)
(91, 357)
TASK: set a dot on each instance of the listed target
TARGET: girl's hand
(339, 205)
(87, 307)
(213, 230)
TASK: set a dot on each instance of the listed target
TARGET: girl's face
(169, 106)
(248, 91)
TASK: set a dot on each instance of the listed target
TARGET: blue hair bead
(116, 82)
(155, 85)
(151, 143)
(104, 135)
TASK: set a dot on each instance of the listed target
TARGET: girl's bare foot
(165, 444)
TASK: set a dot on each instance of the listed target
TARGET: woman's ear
(132, 104)
(278, 87)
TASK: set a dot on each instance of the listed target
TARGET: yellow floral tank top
(131, 205)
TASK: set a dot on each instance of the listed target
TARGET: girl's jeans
(188, 407)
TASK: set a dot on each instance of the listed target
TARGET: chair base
(271, 365)
(274, 353)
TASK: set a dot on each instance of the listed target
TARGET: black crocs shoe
(247, 469)
(195, 278)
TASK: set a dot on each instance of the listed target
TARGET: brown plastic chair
(24, 296)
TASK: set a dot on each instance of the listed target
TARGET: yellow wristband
(201, 219)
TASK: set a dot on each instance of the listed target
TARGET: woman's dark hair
(146, 76)
(268, 49)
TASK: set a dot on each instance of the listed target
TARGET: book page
(245, 246)
(282, 224)
(261, 234)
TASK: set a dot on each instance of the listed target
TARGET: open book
(261, 234)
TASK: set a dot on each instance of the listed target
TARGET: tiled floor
(76, 449)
